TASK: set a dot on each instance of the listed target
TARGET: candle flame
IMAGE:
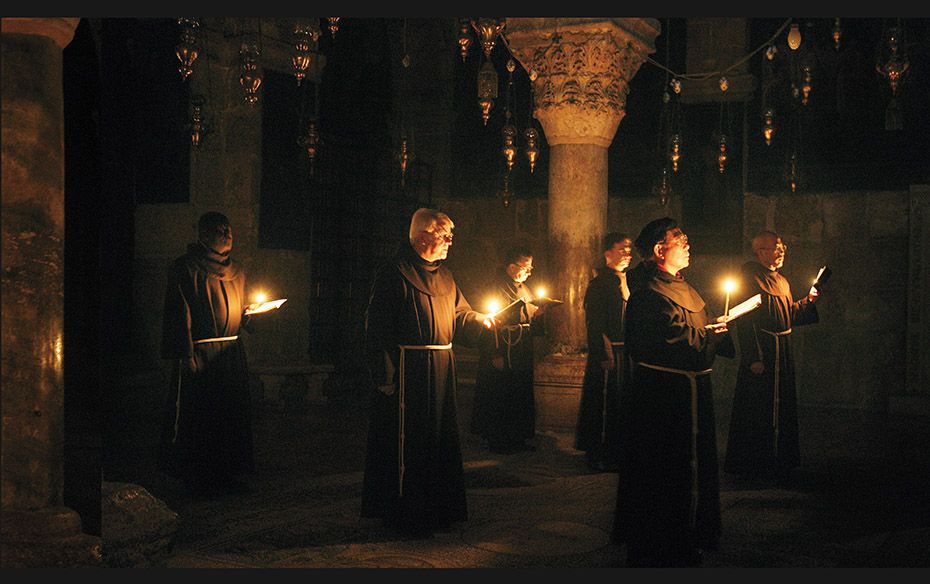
(540, 292)
(260, 297)
(729, 285)
(493, 306)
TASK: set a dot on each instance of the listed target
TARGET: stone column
(37, 529)
(581, 68)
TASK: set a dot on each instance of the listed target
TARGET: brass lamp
(487, 89)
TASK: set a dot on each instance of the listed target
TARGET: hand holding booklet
(752, 303)
(822, 276)
(259, 308)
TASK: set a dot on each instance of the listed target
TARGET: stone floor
(861, 499)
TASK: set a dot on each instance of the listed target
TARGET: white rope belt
(776, 394)
(217, 340)
(692, 378)
(401, 406)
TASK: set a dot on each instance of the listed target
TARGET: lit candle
(492, 306)
(260, 297)
(729, 286)
(540, 292)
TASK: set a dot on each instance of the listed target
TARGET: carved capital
(60, 30)
(582, 68)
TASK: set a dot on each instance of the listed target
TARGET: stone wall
(855, 356)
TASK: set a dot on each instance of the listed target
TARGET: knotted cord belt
(776, 392)
(692, 379)
(617, 365)
(513, 336)
(401, 406)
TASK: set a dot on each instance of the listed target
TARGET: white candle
(728, 286)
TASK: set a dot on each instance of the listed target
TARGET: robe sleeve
(538, 321)
(176, 324)
(469, 329)
(747, 326)
(804, 312)
(381, 327)
(245, 320)
(596, 321)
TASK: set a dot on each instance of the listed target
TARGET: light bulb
(794, 37)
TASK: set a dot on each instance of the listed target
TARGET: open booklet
(265, 306)
(545, 301)
(505, 311)
(822, 276)
(750, 304)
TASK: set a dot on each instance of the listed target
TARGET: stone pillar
(581, 68)
(37, 529)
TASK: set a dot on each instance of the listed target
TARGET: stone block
(888, 214)
(138, 529)
(557, 385)
(842, 218)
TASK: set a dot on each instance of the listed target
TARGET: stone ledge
(292, 384)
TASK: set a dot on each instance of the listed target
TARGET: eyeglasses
(679, 239)
(780, 247)
(445, 236)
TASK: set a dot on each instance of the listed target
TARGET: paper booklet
(742, 308)
(822, 276)
(545, 301)
(265, 306)
(504, 312)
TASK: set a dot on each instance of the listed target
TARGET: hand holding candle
(541, 301)
(262, 304)
(490, 318)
